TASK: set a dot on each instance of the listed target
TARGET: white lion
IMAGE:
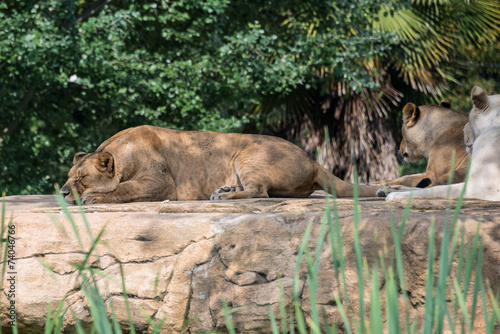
(482, 137)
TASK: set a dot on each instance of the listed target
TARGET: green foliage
(432, 37)
(70, 77)
(69, 81)
(477, 66)
(408, 168)
(73, 73)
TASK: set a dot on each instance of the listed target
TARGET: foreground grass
(383, 313)
(468, 289)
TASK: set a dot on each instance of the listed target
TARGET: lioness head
(416, 130)
(91, 172)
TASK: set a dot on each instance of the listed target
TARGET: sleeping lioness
(435, 132)
(148, 163)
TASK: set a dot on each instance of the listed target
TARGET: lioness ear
(479, 98)
(105, 163)
(446, 104)
(410, 114)
(78, 157)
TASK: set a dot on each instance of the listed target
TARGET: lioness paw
(397, 195)
(92, 198)
(216, 195)
(386, 191)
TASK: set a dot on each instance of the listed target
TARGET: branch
(92, 10)
(95, 8)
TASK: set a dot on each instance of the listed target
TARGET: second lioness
(434, 132)
(149, 163)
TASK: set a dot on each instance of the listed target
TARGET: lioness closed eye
(148, 163)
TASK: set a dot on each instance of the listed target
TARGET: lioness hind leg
(222, 190)
(238, 193)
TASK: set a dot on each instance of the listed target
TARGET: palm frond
(429, 30)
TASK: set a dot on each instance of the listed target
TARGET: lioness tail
(340, 188)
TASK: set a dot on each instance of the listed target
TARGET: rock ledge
(181, 258)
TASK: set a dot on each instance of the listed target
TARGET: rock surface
(180, 259)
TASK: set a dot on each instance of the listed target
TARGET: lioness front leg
(442, 191)
(422, 180)
(132, 191)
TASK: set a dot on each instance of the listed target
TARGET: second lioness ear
(105, 163)
(446, 104)
(411, 113)
(479, 98)
(78, 157)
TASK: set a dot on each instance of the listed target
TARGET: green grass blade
(49, 323)
(114, 321)
(450, 320)
(64, 207)
(461, 302)
(84, 217)
(301, 325)
(392, 307)
(444, 269)
(94, 245)
(460, 267)
(429, 286)
(488, 323)
(274, 325)
(125, 297)
(496, 307)
(155, 326)
(359, 255)
(477, 278)
(313, 269)
(97, 306)
(328, 329)
(227, 316)
(292, 326)
(397, 236)
(295, 284)
(343, 315)
(78, 324)
(336, 246)
(375, 304)
(319, 244)
(314, 323)
(55, 321)
(283, 317)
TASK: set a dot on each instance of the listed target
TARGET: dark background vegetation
(73, 73)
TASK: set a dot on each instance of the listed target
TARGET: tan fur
(149, 163)
(434, 132)
(482, 135)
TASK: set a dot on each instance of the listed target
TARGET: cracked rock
(180, 259)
